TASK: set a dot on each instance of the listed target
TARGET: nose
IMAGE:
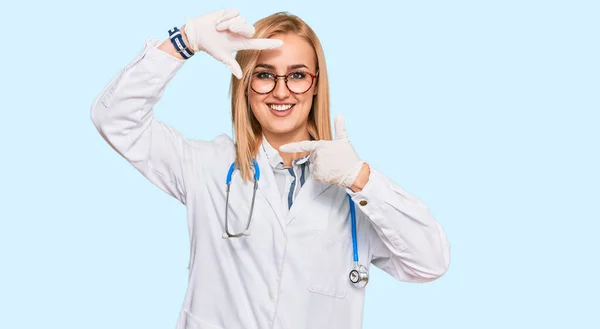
(281, 90)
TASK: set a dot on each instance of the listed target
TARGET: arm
(123, 115)
(123, 112)
(410, 244)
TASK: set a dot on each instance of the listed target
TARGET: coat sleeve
(123, 115)
(407, 242)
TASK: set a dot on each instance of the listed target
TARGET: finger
(304, 146)
(233, 66)
(260, 44)
(223, 26)
(340, 129)
(245, 30)
(227, 14)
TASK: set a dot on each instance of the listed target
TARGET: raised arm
(123, 112)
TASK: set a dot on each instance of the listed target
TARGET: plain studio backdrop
(486, 110)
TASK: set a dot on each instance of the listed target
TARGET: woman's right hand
(223, 32)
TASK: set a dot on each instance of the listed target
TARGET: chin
(281, 129)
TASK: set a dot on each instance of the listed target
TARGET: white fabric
(292, 271)
(223, 32)
(334, 161)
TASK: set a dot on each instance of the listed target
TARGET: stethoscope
(359, 275)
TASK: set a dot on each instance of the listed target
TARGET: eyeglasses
(297, 82)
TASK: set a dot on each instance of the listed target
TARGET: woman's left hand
(333, 161)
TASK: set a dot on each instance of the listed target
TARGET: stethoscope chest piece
(359, 276)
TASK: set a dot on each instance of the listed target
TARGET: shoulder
(219, 149)
(221, 143)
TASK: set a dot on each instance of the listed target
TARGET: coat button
(363, 202)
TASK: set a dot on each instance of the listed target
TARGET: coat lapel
(268, 187)
(307, 195)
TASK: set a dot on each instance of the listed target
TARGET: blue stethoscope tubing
(246, 231)
(358, 275)
(353, 222)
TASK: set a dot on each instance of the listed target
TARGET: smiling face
(283, 113)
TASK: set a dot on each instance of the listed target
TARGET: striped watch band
(177, 40)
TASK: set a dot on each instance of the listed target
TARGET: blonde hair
(247, 129)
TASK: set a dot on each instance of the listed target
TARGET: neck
(276, 140)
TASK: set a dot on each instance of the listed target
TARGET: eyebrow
(290, 67)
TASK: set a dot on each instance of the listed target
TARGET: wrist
(185, 40)
(362, 178)
(178, 39)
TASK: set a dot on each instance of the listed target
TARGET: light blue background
(486, 110)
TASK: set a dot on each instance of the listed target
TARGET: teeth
(280, 107)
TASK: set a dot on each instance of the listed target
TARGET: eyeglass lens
(297, 82)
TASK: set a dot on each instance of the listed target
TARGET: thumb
(340, 129)
(304, 146)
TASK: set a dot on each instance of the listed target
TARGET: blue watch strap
(180, 46)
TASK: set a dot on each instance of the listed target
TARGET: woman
(290, 266)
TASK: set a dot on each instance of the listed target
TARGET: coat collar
(268, 159)
(275, 159)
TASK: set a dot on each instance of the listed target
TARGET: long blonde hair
(246, 127)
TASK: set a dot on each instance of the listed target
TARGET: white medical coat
(292, 271)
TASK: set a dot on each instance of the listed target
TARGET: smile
(281, 107)
(281, 110)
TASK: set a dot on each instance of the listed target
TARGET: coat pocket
(192, 322)
(329, 266)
